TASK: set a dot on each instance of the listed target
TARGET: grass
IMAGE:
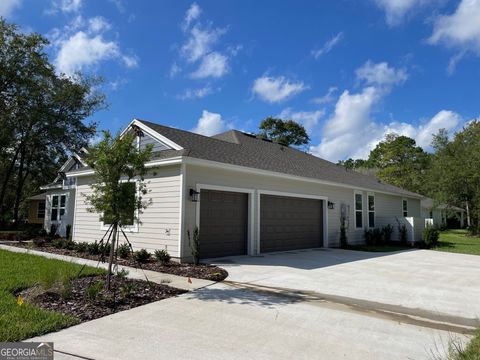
(470, 352)
(20, 271)
(458, 241)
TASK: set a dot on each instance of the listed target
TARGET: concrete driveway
(432, 281)
(272, 307)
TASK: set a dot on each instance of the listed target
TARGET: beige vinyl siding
(159, 227)
(157, 145)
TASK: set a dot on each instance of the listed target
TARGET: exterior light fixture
(331, 205)
(194, 195)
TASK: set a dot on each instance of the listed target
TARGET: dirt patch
(200, 271)
(87, 299)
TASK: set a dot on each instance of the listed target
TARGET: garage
(290, 223)
(223, 223)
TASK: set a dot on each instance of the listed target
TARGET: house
(247, 195)
(442, 215)
(36, 209)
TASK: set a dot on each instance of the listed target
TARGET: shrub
(39, 241)
(127, 290)
(402, 232)
(162, 256)
(68, 232)
(194, 243)
(58, 243)
(141, 256)
(123, 273)
(82, 247)
(94, 248)
(343, 235)
(69, 244)
(105, 249)
(93, 291)
(387, 231)
(53, 230)
(123, 251)
(429, 237)
(373, 236)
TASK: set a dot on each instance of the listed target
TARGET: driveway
(432, 281)
(272, 320)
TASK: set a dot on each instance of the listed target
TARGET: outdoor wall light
(331, 205)
(194, 195)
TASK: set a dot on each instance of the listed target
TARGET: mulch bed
(125, 294)
(200, 271)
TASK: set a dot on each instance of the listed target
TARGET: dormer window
(69, 182)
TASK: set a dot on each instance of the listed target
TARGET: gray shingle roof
(237, 148)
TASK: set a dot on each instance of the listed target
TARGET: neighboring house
(442, 215)
(36, 209)
(246, 195)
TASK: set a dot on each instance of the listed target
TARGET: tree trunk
(8, 174)
(112, 253)
(19, 190)
(468, 214)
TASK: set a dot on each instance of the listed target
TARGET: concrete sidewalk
(179, 282)
(222, 322)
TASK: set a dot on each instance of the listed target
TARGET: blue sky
(350, 71)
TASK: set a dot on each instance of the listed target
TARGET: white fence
(414, 225)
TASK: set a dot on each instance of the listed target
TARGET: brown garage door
(223, 223)
(288, 223)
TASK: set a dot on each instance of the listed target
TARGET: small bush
(162, 256)
(373, 237)
(387, 231)
(141, 256)
(82, 247)
(123, 251)
(93, 291)
(58, 243)
(127, 290)
(105, 249)
(68, 232)
(94, 248)
(39, 241)
(123, 273)
(402, 232)
(69, 244)
(53, 230)
(194, 243)
(429, 237)
(343, 235)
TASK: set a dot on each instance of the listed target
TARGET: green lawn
(20, 271)
(459, 241)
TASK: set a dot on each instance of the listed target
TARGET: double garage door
(286, 223)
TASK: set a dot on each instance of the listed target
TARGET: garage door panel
(288, 223)
(223, 223)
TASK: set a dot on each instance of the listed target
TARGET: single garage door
(223, 223)
(289, 223)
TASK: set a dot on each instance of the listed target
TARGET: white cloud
(212, 65)
(444, 119)
(192, 13)
(381, 74)
(397, 10)
(309, 119)
(327, 98)
(461, 29)
(276, 89)
(174, 69)
(198, 93)
(200, 43)
(351, 131)
(82, 45)
(8, 6)
(328, 46)
(210, 124)
(65, 6)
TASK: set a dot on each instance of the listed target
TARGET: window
(59, 203)
(371, 211)
(41, 210)
(127, 196)
(358, 210)
(69, 182)
(405, 207)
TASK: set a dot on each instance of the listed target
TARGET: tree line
(42, 117)
(450, 175)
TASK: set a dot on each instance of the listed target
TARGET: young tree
(119, 184)
(41, 115)
(287, 132)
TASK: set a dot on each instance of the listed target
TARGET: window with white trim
(59, 204)
(358, 210)
(41, 210)
(371, 211)
(405, 207)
